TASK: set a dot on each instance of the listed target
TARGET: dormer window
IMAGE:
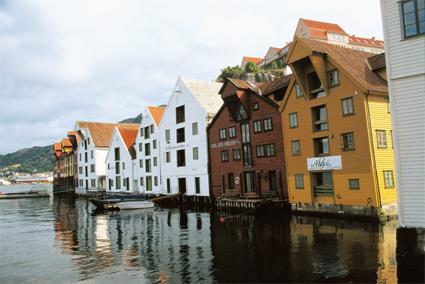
(337, 37)
(315, 87)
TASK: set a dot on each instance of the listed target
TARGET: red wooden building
(245, 141)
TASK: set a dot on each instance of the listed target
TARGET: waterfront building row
(319, 138)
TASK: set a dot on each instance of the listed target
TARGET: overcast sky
(62, 61)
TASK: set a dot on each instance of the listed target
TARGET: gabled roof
(241, 84)
(206, 93)
(66, 142)
(366, 41)
(254, 60)
(276, 84)
(352, 60)
(57, 146)
(128, 134)
(376, 62)
(101, 132)
(323, 26)
(156, 113)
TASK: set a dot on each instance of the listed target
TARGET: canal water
(62, 240)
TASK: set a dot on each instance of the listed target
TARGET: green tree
(231, 72)
(251, 67)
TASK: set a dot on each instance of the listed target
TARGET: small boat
(26, 194)
(135, 205)
(109, 201)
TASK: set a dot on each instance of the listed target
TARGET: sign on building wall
(324, 163)
(224, 144)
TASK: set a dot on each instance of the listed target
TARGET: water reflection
(176, 246)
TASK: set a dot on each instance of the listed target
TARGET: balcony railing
(323, 190)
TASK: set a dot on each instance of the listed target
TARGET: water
(60, 240)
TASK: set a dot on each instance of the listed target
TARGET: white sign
(224, 144)
(324, 163)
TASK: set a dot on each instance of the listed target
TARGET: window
(123, 165)
(232, 132)
(299, 181)
(124, 182)
(347, 106)
(389, 179)
(231, 181)
(141, 181)
(88, 140)
(315, 86)
(381, 137)
(413, 14)
(388, 105)
(268, 125)
(245, 133)
(197, 185)
(147, 149)
(80, 156)
(117, 168)
(322, 184)
(141, 163)
(320, 120)
(333, 78)
(167, 135)
(168, 185)
(85, 157)
(155, 161)
(141, 132)
(180, 114)
(147, 133)
(91, 154)
(154, 144)
(236, 154)
(152, 129)
(392, 140)
(155, 181)
(80, 170)
(140, 147)
(298, 91)
(93, 183)
(348, 141)
(353, 183)
(148, 167)
(296, 148)
(92, 169)
(222, 133)
(118, 182)
(260, 151)
(148, 183)
(81, 182)
(195, 153)
(257, 126)
(247, 159)
(293, 120)
(180, 135)
(117, 154)
(167, 157)
(224, 156)
(270, 150)
(256, 106)
(321, 146)
(85, 145)
(195, 128)
(181, 158)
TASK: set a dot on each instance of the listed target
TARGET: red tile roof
(57, 146)
(101, 132)
(128, 134)
(255, 60)
(66, 142)
(323, 26)
(353, 61)
(156, 113)
(366, 41)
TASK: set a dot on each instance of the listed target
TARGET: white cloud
(105, 60)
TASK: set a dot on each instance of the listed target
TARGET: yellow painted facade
(365, 163)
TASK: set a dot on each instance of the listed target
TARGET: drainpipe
(372, 149)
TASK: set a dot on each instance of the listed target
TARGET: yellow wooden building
(337, 130)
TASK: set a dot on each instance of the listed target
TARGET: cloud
(105, 60)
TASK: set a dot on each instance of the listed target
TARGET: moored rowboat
(135, 205)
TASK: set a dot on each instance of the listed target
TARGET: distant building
(246, 142)
(183, 135)
(337, 131)
(147, 145)
(91, 154)
(247, 59)
(121, 171)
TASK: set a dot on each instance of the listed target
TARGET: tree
(230, 72)
(251, 67)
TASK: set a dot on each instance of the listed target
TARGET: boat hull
(135, 205)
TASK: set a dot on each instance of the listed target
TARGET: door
(249, 182)
(272, 181)
(182, 185)
(87, 184)
(128, 184)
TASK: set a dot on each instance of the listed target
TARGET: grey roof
(206, 93)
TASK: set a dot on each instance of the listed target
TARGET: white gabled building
(91, 154)
(183, 137)
(148, 159)
(121, 171)
(404, 34)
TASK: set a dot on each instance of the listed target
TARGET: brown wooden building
(246, 142)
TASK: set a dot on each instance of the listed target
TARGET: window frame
(350, 185)
(295, 114)
(265, 121)
(231, 132)
(343, 142)
(329, 78)
(255, 106)
(352, 106)
(380, 145)
(392, 185)
(224, 156)
(238, 150)
(222, 134)
(417, 22)
(255, 125)
(298, 91)
(180, 118)
(299, 147)
(296, 181)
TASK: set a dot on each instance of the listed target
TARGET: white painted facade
(201, 102)
(405, 61)
(91, 164)
(119, 170)
(148, 162)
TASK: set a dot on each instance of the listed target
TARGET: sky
(101, 60)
